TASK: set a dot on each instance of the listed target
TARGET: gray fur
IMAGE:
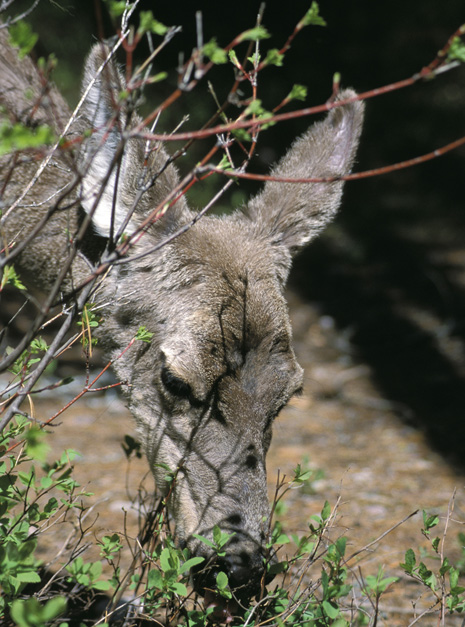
(212, 297)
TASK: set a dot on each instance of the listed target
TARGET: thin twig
(383, 535)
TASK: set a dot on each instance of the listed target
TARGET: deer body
(220, 365)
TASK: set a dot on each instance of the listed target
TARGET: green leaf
(427, 576)
(110, 544)
(155, 579)
(101, 585)
(435, 544)
(410, 561)
(51, 506)
(340, 545)
(38, 345)
(254, 34)
(156, 78)
(326, 511)
(116, 7)
(216, 54)
(377, 584)
(28, 577)
(330, 610)
(143, 335)
(274, 57)
(30, 612)
(35, 446)
(53, 608)
(453, 576)
(299, 92)
(147, 23)
(190, 563)
(26, 478)
(312, 17)
(221, 537)
(222, 580)
(23, 37)
(179, 588)
(225, 163)
(10, 276)
(21, 610)
(278, 567)
(46, 482)
(254, 59)
(167, 562)
(204, 540)
(233, 58)
(241, 134)
(18, 137)
(429, 521)
(456, 51)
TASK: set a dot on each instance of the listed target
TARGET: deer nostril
(251, 461)
(240, 573)
(244, 572)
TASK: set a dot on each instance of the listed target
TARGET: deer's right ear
(101, 163)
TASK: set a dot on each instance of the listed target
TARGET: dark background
(391, 270)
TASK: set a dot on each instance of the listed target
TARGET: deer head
(220, 365)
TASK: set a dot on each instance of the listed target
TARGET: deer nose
(244, 571)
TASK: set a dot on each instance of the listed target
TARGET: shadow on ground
(392, 275)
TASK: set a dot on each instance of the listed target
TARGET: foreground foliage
(319, 582)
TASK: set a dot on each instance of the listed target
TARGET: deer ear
(123, 180)
(103, 112)
(291, 214)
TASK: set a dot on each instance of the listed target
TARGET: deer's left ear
(123, 178)
(291, 214)
(106, 116)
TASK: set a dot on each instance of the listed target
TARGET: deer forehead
(231, 323)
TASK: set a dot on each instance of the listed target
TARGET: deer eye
(175, 385)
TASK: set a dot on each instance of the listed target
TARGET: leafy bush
(319, 583)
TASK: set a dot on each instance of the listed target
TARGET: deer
(220, 366)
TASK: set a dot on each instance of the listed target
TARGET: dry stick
(87, 388)
(47, 358)
(16, 352)
(436, 66)
(72, 119)
(329, 522)
(16, 384)
(280, 117)
(367, 546)
(186, 85)
(12, 20)
(117, 257)
(439, 152)
(427, 611)
(425, 72)
(450, 509)
(51, 297)
(192, 177)
(10, 358)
